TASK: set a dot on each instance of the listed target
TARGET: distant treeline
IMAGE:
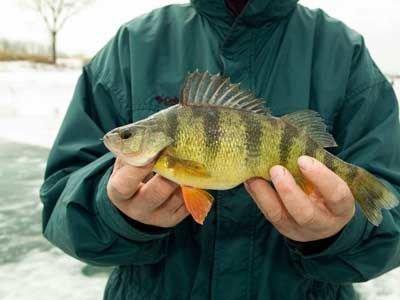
(393, 76)
(18, 50)
(29, 51)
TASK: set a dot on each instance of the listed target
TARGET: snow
(385, 287)
(31, 268)
(27, 113)
(33, 101)
(90, 29)
(47, 276)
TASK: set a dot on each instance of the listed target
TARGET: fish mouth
(107, 141)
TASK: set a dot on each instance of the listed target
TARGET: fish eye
(126, 134)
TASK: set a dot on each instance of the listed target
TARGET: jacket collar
(255, 14)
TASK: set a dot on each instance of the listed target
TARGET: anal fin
(304, 184)
(198, 202)
(308, 188)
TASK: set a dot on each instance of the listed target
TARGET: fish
(219, 135)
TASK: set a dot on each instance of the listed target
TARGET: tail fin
(372, 195)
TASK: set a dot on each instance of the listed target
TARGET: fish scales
(212, 124)
(254, 136)
(232, 144)
(286, 144)
(214, 138)
(190, 143)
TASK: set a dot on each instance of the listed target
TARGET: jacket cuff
(150, 229)
(342, 242)
(313, 247)
(113, 218)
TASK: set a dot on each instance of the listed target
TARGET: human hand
(157, 202)
(298, 216)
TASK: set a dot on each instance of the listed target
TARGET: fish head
(137, 144)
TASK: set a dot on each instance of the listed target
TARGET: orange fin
(198, 202)
(305, 185)
(308, 188)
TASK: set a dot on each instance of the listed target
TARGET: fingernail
(277, 172)
(248, 184)
(250, 181)
(305, 162)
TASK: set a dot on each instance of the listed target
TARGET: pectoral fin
(187, 167)
(198, 203)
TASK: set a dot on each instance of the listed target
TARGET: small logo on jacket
(168, 101)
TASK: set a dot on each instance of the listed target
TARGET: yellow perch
(219, 136)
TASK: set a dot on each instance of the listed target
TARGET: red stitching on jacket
(169, 101)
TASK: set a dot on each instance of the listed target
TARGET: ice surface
(49, 275)
(30, 268)
(33, 100)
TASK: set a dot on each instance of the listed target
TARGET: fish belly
(222, 179)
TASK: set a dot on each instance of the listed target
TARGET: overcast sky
(378, 21)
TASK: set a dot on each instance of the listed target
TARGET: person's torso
(297, 62)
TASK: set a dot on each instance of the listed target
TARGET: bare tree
(55, 13)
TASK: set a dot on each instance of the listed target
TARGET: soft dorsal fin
(311, 122)
(204, 89)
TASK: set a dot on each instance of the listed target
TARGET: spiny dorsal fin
(204, 89)
(311, 122)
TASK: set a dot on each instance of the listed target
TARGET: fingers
(294, 199)
(170, 213)
(173, 203)
(144, 205)
(125, 179)
(155, 192)
(175, 208)
(293, 213)
(157, 202)
(266, 199)
(179, 215)
(334, 190)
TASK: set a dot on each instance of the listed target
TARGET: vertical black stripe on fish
(212, 131)
(287, 140)
(351, 174)
(311, 148)
(253, 135)
(198, 112)
(329, 160)
(172, 124)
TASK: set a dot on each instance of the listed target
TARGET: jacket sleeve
(78, 217)
(368, 132)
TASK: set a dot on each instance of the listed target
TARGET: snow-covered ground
(49, 275)
(31, 268)
(33, 100)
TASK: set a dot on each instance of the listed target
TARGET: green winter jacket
(294, 57)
